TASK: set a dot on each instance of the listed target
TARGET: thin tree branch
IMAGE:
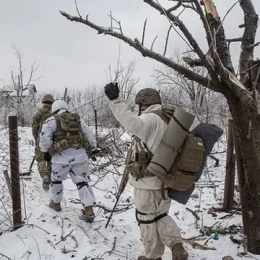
(229, 41)
(77, 8)
(144, 28)
(239, 39)
(113, 19)
(229, 10)
(252, 46)
(32, 72)
(192, 62)
(167, 40)
(175, 7)
(146, 52)
(8, 258)
(155, 38)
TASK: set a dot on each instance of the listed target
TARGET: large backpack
(188, 166)
(69, 128)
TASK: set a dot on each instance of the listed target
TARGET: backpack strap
(162, 115)
(166, 118)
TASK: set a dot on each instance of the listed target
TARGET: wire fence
(15, 150)
(5, 183)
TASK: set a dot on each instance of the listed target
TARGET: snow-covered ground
(59, 236)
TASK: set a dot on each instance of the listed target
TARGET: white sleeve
(46, 136)
(139, 126)
(87, 133)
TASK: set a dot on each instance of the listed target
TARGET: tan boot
(179, 253)
(145, 258)
(89, 214)
(55, 206)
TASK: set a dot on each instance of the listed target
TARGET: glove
(47, 157)
(112, 91)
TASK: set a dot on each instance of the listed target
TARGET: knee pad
(56, 182)
(81, 184)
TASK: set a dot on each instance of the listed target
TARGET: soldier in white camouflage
(158, 230)
(64, 139)
(41, 115)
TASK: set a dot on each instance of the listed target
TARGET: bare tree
(92, 98)
(238, 89)
(23, 104)
(124, 76)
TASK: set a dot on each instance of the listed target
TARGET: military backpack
(191, 156)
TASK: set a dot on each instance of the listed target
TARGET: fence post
(230, 170)
(15, 175)
(96, 127)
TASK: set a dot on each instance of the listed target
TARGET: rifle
(122, 185)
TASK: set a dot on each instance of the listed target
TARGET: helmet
(148, 96)
(48, 98)
(58, 105)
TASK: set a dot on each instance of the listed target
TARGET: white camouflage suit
(147, 191)
(72, 161)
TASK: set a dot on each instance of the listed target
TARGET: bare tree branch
(34, 68)
(192, 62)
(252, 46)
(146, 52)
(175, 7)
(229, 41)
(144, 28)
(251, 25)
(167, 40)
(155, 38)
(118, 22)
(77, 8)
(176, 21)
(239, 39)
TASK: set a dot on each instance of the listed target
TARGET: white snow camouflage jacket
(148, 127)
(70, 155)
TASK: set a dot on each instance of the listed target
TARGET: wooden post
(230, 170)
(96, 127)
(15, 175)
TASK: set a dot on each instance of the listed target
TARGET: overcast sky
(73, 55)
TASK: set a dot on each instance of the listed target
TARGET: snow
(59, 236)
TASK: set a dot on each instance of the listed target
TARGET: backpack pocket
(191, 155)
(180, 181)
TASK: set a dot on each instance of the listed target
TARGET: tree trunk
(247, 137)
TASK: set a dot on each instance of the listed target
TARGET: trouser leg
(79, 174)
(164, 231)
(59, 174)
